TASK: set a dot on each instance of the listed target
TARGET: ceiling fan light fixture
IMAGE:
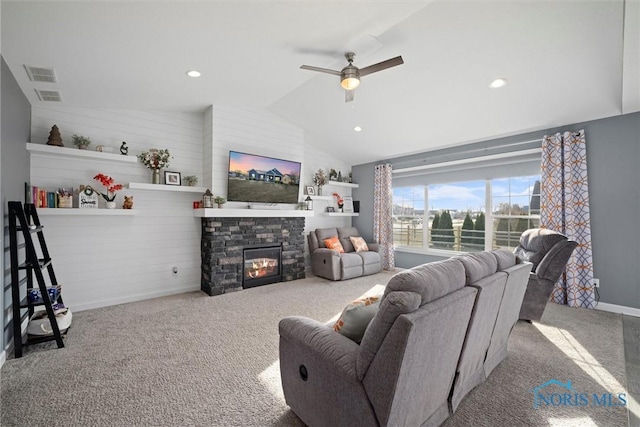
(349, 77)
(350, 83)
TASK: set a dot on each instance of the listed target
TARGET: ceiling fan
(350, 75)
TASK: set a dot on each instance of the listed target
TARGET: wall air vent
(49, 95)
(40, 74)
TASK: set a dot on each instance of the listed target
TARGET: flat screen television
(260, 179)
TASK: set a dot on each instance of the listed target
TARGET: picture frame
(311, 190)
(348, 204)
(330, 209)
(172, 178)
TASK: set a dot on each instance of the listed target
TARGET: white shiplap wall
(207, 149)
(260, 132)
(315, 158)
(250, 131)
(105, 260)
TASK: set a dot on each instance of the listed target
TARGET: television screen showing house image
(260, 179)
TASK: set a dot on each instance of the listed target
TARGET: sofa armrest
(374, 247)
(326, 251)
(554, 262)
(322, 344)
(326, 263)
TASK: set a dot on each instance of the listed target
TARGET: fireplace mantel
(250, 213)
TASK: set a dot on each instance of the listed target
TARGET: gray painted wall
(613, 156)
(14, 169)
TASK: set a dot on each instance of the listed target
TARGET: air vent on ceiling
(49, 95)
(40, 74)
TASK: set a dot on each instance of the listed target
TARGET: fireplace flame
(261, 267)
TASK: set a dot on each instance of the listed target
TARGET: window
(515, 208)
(454, 209)
(408, 216)
(458, 214)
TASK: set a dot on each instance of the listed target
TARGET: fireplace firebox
(262, 265)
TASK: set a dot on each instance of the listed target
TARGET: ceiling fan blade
(348, 95)
(321, 70)
(381, 65)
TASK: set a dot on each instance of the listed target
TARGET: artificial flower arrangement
(319, 178)
(339, 200)
(155, 159)
(107, 181)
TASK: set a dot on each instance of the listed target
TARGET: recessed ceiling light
(498, 83)
(357, 129)
(193, 73)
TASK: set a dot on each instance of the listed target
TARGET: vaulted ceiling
(565, 62)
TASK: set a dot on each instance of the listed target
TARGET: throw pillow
(334, 243)
(359, 244)
(357, 315)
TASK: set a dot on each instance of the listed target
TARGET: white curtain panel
(382, 214)
(565, 209)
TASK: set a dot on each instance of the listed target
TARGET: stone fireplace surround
(223, 239)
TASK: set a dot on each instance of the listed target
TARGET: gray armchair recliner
(549, 252)
(333, 265)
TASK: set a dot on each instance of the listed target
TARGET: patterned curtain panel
(564, 208)
(382, 211)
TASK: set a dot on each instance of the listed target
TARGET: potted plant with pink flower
(339, 201)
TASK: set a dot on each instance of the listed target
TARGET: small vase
(111, 204)
(155, 176)
(319, 190)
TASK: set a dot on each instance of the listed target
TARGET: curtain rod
(475, 150)
(471, 160)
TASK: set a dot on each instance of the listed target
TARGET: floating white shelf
(342, 184)
(321, 197)
(88, 212)
(163, 187)
(250, 213)
(342, 214)
(74, 152)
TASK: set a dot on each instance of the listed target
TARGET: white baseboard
(613, 308)
(3, 357)
(132, 298)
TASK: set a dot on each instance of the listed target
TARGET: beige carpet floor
(194, 360)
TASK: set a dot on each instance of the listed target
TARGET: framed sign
(87, 198)
(330, 209)
(311, 190)
(348, 204)
(172, 178)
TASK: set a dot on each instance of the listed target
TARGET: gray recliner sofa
(431, 328)
(501, 279)
(549, 252)
(332, 265)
